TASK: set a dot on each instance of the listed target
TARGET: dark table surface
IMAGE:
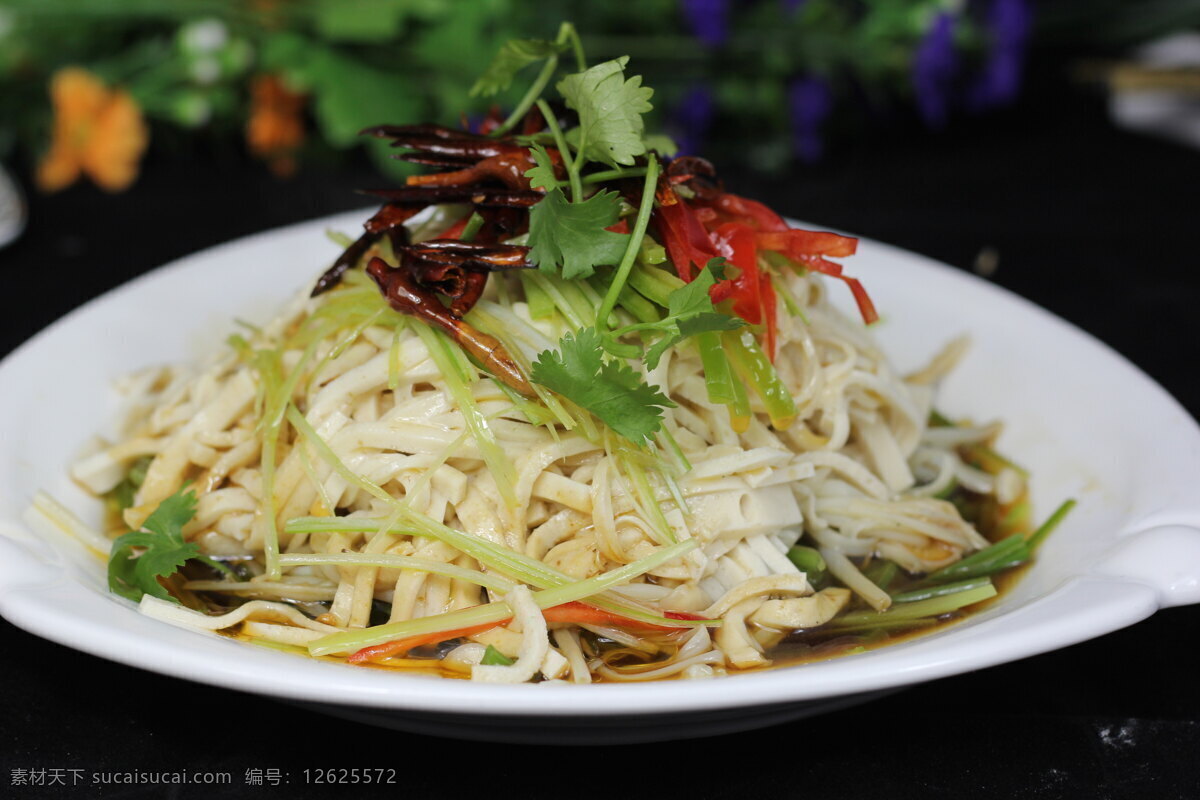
(1097, 225)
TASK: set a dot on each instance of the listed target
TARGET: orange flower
(97, 131)
(275, 128)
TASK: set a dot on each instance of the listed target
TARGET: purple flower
(708, 20)
(791, 6)
(809, 103)
(934, 66)
(1008, 23)
(691, 119)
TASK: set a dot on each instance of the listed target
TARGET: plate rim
(1136, 597)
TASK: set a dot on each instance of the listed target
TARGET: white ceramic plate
(1087, 423)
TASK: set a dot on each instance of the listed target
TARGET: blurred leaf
(347, 94)
(359, 20)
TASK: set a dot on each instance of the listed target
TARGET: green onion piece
(337, 237)
(494, 658)
(918, 609)
(879, 626)
(1039, 536)
(807, 559)
(939, 420)
(755, 368)
(1002, 554)
(913, 595)
(469, 231)
(882, 572)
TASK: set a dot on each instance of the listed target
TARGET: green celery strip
(681, 460)
(518, 565)
(311, 472)
(351, 641)
(789, 299)
(534, 413)
(647, 499)
(541, 306)
(578, 317)
(739, 406)
(495, 583)
(573, 292)
(755, 368)
(285, 648)
(919, 609)
(504, 332)
(497, 460)
(427, 474)
(635, 242)
(914, 595)
(718, 378)
(394, 365)
(636, 304)
(343, 344)
(277, 398)
(653, 283)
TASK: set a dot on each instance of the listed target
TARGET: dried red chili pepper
(405, 295)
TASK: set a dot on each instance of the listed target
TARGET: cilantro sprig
(609, 388)
(690, 311)
(610, 108)
(570, 238)
(163, 549)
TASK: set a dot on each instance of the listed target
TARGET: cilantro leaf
(690, 311)
(542, 176)
(164, 552)
(572, 236)
(609, 389)
(610, 112)
(514, 56)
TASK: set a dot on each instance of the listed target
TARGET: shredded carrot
(573, 613)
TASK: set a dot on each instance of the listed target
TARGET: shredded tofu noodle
(384, 438)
